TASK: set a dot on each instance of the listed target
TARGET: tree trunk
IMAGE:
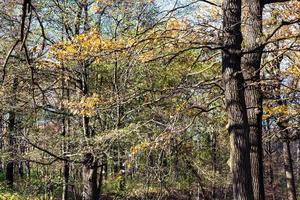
(198, 178)
(11, 137)
(101, 177)
(214, 160)
(270, 173)
(66, 175)
(27, 163)
(271, 181)
(65, 131)
(238, 127)
(21, 169)
(281, 122)
(90, 165)
(89, 175)
(1, 141)
(289, 175)
(298, 161)
(10, 163)
(253, 95)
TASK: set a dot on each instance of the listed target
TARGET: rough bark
(253, 95)
(90, 166)
(89, 175)
(289, 175)
(238, 127)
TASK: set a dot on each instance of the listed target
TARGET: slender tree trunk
(11, 137)
(271, 181)
(289, 175)
(65, 130)
(90, 166)
(270, 173)
(20, 169)
(298, 161)
(198, 178)
(214, 162)
(27, 163)
(238, 127)
(288, 162)
(1, 140)
(65, 94)
(66, 167)
(122, 182)
(101, 177)
(10, 163)
(253, 95)
(66, 175)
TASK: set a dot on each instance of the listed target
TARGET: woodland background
(149, 99)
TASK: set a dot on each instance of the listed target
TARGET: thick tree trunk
(253, 95)
(89, 175)
(238, 127)
(289, 175)
(9, 173)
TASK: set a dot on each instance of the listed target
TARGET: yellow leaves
(86, 106)
(175, 24)
(294, 70)
(281, 110)
(174, 27)
(146, 56)
(95, 8)
(88, 45)
(138, 148)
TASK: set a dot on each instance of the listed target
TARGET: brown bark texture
(238, 127)
(250, 65)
